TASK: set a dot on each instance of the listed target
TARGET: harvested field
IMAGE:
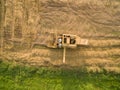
(97, 21)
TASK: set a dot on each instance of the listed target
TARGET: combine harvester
(62, 41)
(53, 40)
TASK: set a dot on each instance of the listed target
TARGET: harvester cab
(67, 40)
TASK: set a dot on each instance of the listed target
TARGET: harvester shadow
(72, 57)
